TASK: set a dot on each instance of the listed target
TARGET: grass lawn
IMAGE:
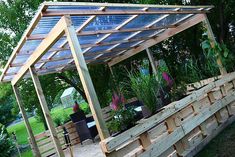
(21, 132)
(27, 153)
(37, 127)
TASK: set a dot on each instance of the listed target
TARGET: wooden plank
(215, 95)
(158, 148)
(151, 59)
(206, 140)
(209, 125)
(171, 152)
(119, 12)
(201, 104)
(123, 5)
(222, 115)
(158, 131)
(145, 140)
(231, 109)
(213, 43)
(19, 100)
(165, 35)
(20, 44)
(130, 148)
(183, 115)
(46, 111)
(85, 79)
(43, 47)
(192, 139)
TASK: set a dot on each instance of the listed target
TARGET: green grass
(21, 132)
(27, 153)
(37, 127)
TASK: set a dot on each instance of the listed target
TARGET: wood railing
(183, 127)
(46, 145)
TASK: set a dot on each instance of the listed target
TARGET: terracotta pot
(146, 112)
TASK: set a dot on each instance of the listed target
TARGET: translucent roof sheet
(104, 32)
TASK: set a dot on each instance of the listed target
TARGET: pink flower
(167, 78)
(117, 101)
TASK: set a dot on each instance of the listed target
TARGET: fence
(46, 145)
(183, 127)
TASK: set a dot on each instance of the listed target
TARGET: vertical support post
(85, 79)
(151, 59)
(26, 121)
(213, 43)
(46, 111)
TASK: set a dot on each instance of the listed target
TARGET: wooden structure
(68, 35)
(183, 128)
(44, 140)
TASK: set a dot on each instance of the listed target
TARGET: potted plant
(146, 88)
(123, 118)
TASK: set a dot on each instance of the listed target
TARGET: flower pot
(146, 112)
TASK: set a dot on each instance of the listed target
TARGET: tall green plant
(146, 89)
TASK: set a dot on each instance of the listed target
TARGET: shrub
(6, 145)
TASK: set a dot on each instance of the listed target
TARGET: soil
(223, 145)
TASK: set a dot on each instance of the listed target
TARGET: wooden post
(151, 59)
(46, 111)
(26, 121)
(213, 42)
(86, 79)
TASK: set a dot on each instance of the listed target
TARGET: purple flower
(167, 78)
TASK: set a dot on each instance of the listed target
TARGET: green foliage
(146, 89)
(123, 119)
(103, 83)
(6, 145)
(7, 104)
(178, 91)
(60, 115)
(85, 107)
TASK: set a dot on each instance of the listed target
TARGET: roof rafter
(86, 33)
(89, 20)
(118, 12)
(165, 35)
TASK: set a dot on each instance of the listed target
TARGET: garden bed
(182, 127)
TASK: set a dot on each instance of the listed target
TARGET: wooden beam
(213, 43)
(97, 32)
(118, 12)
(46, 112)
(117, 28)
(146, 26)
(89, 20)
(23, 39)
(151, 59)
(91, 45)
(165, 35)
(26, 121)
(86, 79)
(43, 47)
(123, 5)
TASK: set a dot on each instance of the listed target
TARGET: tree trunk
(71, 83)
